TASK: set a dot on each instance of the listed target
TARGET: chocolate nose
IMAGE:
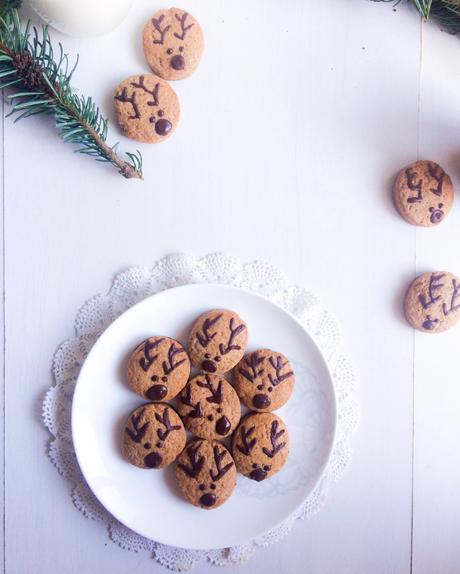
(153, 460)
(261, 401)
(177, 62)
(258, 474)
(163, 127)
(157, 392)
(223, 426)
(208, 366)
(208, 499)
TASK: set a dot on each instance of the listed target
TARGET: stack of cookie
(146, 106)
(208, 406)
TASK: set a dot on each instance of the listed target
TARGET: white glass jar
(82, 17)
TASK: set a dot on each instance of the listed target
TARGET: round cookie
(432, 302)
(423, 193)
(154, 436)
(217, 341)
(205, 473)
(264, 380)
(158, 369)
(260, 445)
(173, 43)
(147, 108)
(209, 407)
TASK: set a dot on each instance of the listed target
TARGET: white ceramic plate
(147, 500)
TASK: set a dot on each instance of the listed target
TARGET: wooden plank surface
(291, 133)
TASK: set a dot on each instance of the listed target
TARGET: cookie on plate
(218, 341)
(209, 407)
(432, 302)
(205, 473)
(173, 43)
(158, 369)
(147, 108)
(260, 445)
(264, 380)
(153, 437)
(423, 193)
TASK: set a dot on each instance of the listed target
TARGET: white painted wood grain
(292, 130)
(437, 358)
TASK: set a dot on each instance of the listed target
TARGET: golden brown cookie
(260, 445)
(209, 407)
(205, 473)
(423, 193)
(173, 43)
(154, 436)
(147, 108)
(264, 380)
(217, 341)
(432, 302)
(158, 369)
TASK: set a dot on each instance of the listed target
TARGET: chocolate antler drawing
(196, 462)
(437, 173)
(169, 366)
(148, 359)
(216, 394)
(164, 420)
(218, 456)
(455, 294)
(248, 443)
(183, 27)
(252, 361)
(274, 436)
(154, 93)
(234, 332)
(123, 97)
(278, 366)
(205, 337)
(186, 399)
(161, 31)
(139, 432)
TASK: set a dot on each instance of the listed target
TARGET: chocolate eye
(164, 379)
(254, 465)
(219, 410)
(181, 48)
(213, 486)
(159, 444)
(210, 418)
(202, 487)
(260, 387)
(147, 446)
(154, 378)
(217, 358)
(169, 51)
(266, 468)
(207, 356)
(160, 113)
(440, 205)
(270, 389)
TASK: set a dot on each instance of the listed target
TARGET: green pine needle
(40, 81)
(446, 12)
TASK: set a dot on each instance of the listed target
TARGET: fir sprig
(40, 80)
(446, 12)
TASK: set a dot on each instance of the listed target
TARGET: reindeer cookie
(432, 302)
(205, 473)
(264, 380)
(153, 437)
(147, 108)
(209, 407)
(423, 193)
(218, 341)
(260, 446)
(158, 369)
(173, 43)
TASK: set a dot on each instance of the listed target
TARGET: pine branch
(446, 12)
(40, 80)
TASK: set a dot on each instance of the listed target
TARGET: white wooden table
(292, 131)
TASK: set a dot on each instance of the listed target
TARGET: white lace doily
(137, 283)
